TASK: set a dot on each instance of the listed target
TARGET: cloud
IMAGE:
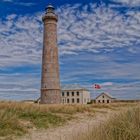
(25, 4)
(89, 66)
(19, 86)
(96, 44)
(101, 29)
(92, 29)
(128, 2)
(19, 3)
(107, 84)
(124, 90)
(20, 40)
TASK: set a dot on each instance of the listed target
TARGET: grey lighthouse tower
(50, 82)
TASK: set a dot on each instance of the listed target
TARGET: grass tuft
(125, 126)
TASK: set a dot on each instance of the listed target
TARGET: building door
(107, 101)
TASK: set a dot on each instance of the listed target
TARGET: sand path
(73, 129)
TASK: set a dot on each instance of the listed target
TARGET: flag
(97, 86)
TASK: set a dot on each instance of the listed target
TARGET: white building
(75, 95)
(104, 98)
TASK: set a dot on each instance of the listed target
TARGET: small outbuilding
(104, 98)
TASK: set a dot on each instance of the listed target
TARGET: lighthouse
(50, 81)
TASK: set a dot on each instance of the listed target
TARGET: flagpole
(96, 86)
(94, 92)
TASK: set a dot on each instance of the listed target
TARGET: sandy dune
(83, 124)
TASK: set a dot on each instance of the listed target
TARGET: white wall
(101, 99)
(84, 97)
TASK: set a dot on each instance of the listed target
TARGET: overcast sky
(98, 41)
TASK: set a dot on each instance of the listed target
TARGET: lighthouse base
(50, 96)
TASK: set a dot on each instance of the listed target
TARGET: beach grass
(19, 118)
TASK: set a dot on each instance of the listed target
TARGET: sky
(98, 41)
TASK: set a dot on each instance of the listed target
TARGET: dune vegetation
(124, 126)
(19, 118)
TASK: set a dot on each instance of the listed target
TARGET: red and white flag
(97, 86)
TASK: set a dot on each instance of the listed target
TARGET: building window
(98, 101)
(103, 96)
(78, 100)
(72, 100)
(107, 101)
(68, 100)
(72, 93)
(62, 93)
(77, 93)
(103, 101)
(68, 94)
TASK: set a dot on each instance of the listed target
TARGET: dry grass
(17, 119)
(124, 126)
